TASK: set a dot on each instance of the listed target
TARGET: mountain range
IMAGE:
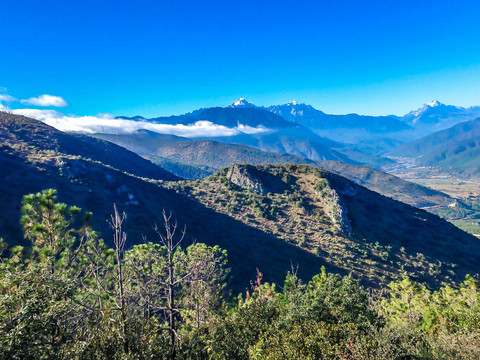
(300, 129)
(317, 120)
(262, 129)
(267, 216)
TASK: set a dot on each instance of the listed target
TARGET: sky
(155, 58)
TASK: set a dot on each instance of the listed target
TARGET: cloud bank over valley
(107, 123)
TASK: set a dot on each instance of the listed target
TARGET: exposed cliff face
(333, 205)
(245, 177)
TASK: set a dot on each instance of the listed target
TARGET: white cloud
(46, 100)
(253, 130)
(6, 98)
(108, 124)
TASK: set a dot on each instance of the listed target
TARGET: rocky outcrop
(245, 177)
(334, 207)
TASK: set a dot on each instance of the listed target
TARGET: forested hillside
(69, 296)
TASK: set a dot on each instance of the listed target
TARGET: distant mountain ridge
(435, 116)
(456, 149)
(300, 129)
(432, 116)
(315, 119)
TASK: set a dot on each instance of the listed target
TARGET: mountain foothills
(196, 159)
(150, 266)
(181, 155)
(455, 150)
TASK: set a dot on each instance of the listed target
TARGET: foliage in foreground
(69, 296)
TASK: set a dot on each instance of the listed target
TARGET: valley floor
(465, 211)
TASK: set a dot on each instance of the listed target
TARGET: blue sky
(168, 57)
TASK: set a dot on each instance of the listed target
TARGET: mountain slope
(388, 185)
(95, 186)
(206, 156)
(345, 225)
(19, 131)
(456, 149)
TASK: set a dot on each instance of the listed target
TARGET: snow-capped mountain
(293, 111)
(434, 103)
(436, 116)
(296, 120)
(317, 120)
(242, 103)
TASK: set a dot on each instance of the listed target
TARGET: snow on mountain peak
(425, 107)
(434, 103)
(292, 103)
(241, 103)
